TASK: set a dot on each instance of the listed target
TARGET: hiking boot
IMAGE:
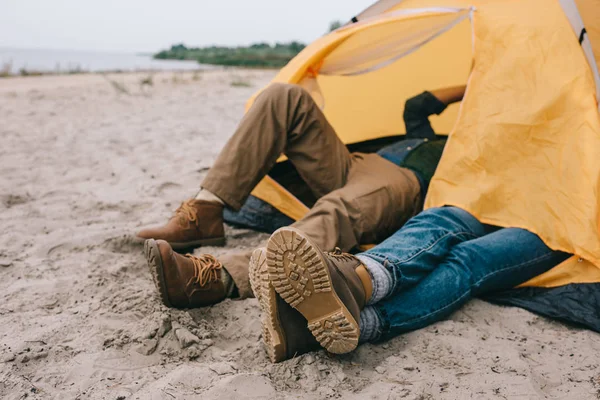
(285, 333)
(184, 281)
(323, 287)
(195, 223)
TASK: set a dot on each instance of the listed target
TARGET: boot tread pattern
(153, 258)
(335, 333)
(259, 282)
(297, 272)
(293, 285)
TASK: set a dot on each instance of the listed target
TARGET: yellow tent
(523, 146)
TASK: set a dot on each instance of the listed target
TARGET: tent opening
(363, 83)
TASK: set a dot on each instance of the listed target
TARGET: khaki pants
(363, 198)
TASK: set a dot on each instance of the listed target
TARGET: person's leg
(283, 120)
(417, 248)
(236, 265)
(497, 261)
(330, 289)
(378, 198)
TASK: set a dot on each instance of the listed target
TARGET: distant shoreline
(258, 55)
(40, 62)
(28, 62)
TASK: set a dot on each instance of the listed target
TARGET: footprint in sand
(165, 187)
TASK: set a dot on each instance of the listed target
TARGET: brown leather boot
(324, 287)
(285, 333)
(184, 281)
(195, 223)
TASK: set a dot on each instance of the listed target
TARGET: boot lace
(206, 269)
(187, 212)
(338, 254)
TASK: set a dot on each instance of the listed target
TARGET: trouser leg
(236, 265)
(423, 242)
(377, 199)
(283, 120)
(497, 261)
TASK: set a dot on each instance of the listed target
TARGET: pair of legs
(428, 269)
(444, 257)
(363, 198)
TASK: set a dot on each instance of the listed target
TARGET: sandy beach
(87, 160)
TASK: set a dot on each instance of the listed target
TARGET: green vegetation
(257, 55)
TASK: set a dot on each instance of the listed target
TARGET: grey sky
(148, 25)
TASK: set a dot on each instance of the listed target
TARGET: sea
(14, 60)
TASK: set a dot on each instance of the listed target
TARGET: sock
(381, 277)
(205, 195)
(370, 325)
(228, 283)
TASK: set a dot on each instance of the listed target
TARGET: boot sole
(272, 331)
(155, 265)
(299, 273)
(197, 243)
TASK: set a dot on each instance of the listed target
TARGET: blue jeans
(257, 214)
(397, 152)
(443, 257)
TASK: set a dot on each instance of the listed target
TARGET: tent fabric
(572, 270)
(588, 10)
(546, 123)
(570, 9)
(371, 49)
(531, 93)
(384, 41)
(370, 106)
(576, 304)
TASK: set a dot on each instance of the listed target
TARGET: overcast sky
(150, 25)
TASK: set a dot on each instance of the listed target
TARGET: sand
(85, 162)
